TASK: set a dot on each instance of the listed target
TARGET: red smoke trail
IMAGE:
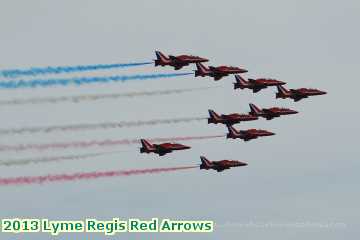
(94, 143)
(27, 180)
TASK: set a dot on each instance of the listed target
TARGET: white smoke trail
(94, 126)
(96, 143)
(16, 162)
(96, 97)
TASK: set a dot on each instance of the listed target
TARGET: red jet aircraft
(297, 94)
(177, 61)
(217, 72)
(162, 148)
(230, 119)
(247, 135)
(270, 113)
(219, 165)
(256, 84)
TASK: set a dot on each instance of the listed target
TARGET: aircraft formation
(158, 146)
(256, 85)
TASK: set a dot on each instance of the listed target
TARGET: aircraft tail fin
(161, 59)
(201, 70)
(232, 131)
(214, 117)
(146, 146)
(254, 109)
(240, 82)
(205, 163)
(282, 92)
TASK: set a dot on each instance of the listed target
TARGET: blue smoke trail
(83, 80)
(12, 73)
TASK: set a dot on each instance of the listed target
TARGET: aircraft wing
(296, 99)
(252, 136)
(295, 91)
(212, 68)
(172, 57)
(163, 148)
(267, 111)
(178, 67)
(220, 167)
(256, 89)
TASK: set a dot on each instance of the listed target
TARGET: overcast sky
(307, 172)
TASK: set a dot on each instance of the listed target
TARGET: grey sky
(308, 172)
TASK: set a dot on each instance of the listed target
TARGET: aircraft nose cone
(323, 92)
(271, 133)
(294, 112)
(243, 164)
(204, 59)
(187, 147)
(242, 70)
(282, 83)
